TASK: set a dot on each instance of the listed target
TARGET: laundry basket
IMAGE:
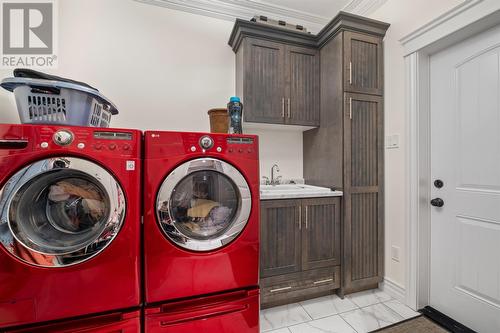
(41, 101)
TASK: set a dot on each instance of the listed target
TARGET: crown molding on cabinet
(234, 9)
(238, 9)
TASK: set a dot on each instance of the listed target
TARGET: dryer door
(60, 211)
(203, 204)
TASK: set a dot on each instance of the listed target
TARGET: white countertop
(293, 191)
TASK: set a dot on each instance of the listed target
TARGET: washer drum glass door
(203, 204)
(60, 211)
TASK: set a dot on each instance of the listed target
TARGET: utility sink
(290, 191)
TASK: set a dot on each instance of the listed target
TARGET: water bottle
(235, 111)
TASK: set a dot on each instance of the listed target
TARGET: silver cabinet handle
(323, 281)
(350, 108)
(280, 289)
(289, 112)
(307, 218)
(283, 107)
(300, 217)
(350, 72)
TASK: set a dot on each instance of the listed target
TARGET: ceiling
(323, 8)
(313, 14)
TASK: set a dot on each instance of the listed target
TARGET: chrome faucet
(275, 181)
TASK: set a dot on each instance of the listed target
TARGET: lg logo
(27, 28)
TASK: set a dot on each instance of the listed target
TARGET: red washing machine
(201, 233)
(69, 224)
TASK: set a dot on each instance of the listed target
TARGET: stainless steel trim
(307, 219)
(60, 258)
(323, 281)
(283, 107)
(289, 112)
(350, 108)
(168, 223)
(350, 72)
(300, 217)
(280, 289)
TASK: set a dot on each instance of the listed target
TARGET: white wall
(404, 17)
(164, 69)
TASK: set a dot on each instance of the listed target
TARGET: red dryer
(69, 225)
(201, 232)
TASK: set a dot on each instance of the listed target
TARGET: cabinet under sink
(300, 249)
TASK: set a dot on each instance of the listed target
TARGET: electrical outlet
(395, 250)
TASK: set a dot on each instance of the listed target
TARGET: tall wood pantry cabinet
(333, 83)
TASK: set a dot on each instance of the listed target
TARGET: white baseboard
(394, 289)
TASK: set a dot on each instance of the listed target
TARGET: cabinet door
(280, 243)
(363, 60)
(363, 191)
(320, 233)
(302, 80)
(264, 85)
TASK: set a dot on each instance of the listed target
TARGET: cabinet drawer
(298, 286)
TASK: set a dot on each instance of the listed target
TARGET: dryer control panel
(160, 144)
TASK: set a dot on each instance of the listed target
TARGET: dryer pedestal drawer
(294, 287)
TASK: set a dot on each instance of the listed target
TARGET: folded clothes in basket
(31, 74)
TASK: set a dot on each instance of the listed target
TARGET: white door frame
(467, 19)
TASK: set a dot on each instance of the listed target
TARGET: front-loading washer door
(203, 204)
(60, 211)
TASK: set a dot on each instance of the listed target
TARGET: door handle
(300, 217)
(437, 202)
(307, 218)
(350, 108)
(289, 112)
(283, 107)
(280, 289)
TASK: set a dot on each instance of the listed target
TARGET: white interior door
(465, 155)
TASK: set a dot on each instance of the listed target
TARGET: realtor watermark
(29, 33)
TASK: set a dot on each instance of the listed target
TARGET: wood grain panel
(364, 247)
(364, 143)
(363, 63)
(302, 80)
(321, 233)
(363, 192)
(279, 237)
(264, 89)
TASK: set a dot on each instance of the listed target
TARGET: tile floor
(357, 313)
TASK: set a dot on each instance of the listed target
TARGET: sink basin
(286, 191)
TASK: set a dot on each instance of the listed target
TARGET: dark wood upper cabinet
(302, 77)
(264, 93)
(363, 191)
(280, 237)
(363, 63)
(321, 234)
(279, 83)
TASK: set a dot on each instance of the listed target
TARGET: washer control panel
(117, 142)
